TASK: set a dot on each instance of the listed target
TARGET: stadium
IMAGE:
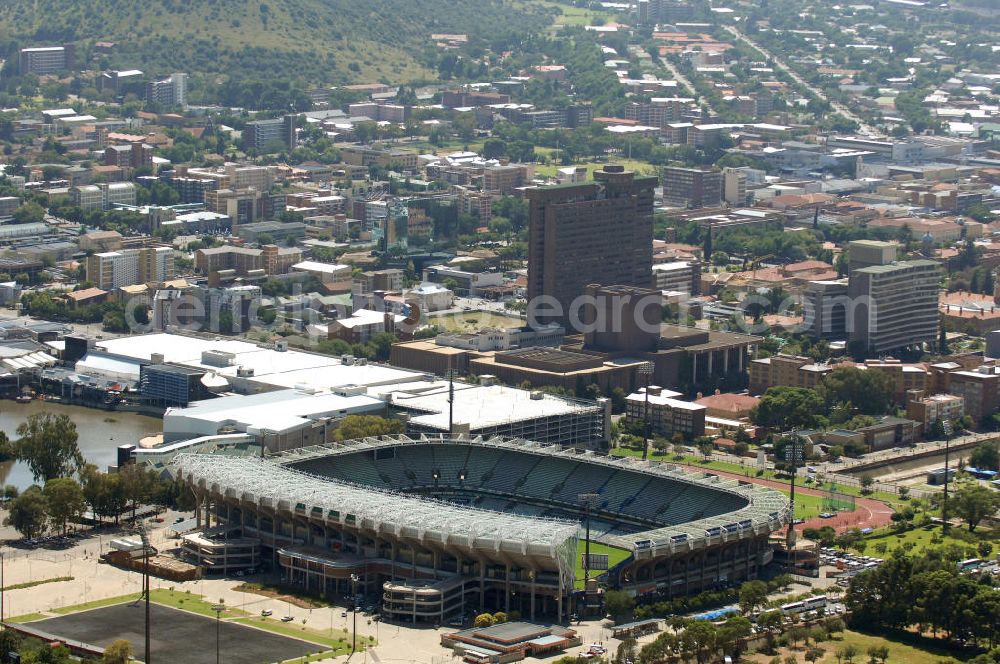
(439, 526)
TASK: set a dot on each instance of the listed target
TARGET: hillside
(333, 41)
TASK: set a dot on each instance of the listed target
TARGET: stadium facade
(440, 526)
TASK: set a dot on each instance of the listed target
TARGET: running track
(869, 513)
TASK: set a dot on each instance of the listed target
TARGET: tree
(871, 392)
(136, 484)
(787, 407)
(700, 638)
(878, 654)
(48, 445)
(65, 501)
(986, 456)
(28, 513)
(103, 492)
(867, 482)
(847, 653)
(363, 426)
(118, 652)
(618, 603)
(29, 213)
(499, 617)
(484, 620)
(707, 247)
(974, 502)
(753, 594)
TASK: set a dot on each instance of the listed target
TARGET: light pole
(354, 612)
(646, 369)
(948, 430)
(218, 608)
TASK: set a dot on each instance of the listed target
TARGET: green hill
(331, 41)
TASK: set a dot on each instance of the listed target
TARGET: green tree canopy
(47, 444)
(27, 513)
(974, 502)
(871, 392)
(788, 407)
(65, 501)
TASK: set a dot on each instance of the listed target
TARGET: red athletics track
(868, 513)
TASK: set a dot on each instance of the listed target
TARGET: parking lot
(176, 635)
(849, 564)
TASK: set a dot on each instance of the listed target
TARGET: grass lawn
(615, 556)
(32, 584)
(189, 602)
(915, 650)
(471, 321)
(337, 640)
(172, 598)
(921, 538)
(919, 652)
(27, 617)
(96, 604)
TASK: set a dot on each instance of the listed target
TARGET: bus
(805, 606)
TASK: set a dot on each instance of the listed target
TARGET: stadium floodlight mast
(147, 549)
(451, 399)
(794, 441)
(587, 500)
(645, 369)
(218, 608)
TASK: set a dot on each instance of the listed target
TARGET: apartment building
(270, 258)
(46, 59)
(134, 155)
(691, 187)
(385, 158)
(928, 409)
(103, 196)
(243, 206)
(505, 178)
(659, 111)
(233, 176)
(896, 305)
(168, 92)
(667, 413)
(127, 267)
(259, 134)
(678, 276)
(786, 371)
(979, 390)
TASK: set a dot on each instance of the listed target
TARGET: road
(682, 79)
(864, 128)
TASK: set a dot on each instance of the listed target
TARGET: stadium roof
(766, 510)
(265, 482)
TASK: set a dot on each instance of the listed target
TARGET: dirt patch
(282, 595)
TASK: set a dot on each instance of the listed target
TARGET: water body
(100, 431)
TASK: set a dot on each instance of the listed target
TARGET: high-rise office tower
(595, 232)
